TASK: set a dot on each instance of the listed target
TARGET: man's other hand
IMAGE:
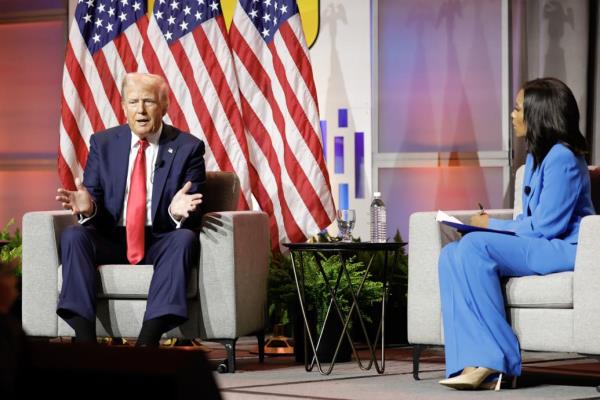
(183, 203)
(78, 201)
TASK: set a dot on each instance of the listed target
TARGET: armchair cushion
(125, 281)
(549, 291)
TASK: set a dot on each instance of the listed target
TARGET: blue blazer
(179, 159)
(558, 198)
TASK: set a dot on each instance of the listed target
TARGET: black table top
(354, 246)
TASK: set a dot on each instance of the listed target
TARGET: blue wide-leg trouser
(476, 332)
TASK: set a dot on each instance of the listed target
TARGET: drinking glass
(345, 221)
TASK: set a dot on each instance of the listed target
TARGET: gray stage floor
(282, 378)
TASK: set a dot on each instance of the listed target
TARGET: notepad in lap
(443, 217)
(455, 223)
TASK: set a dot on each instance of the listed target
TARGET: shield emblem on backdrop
(310, 12)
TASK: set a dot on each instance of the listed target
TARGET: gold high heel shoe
(471, 380)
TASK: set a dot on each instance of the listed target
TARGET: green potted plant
(318, 298)
(397, 278)
(10, 269)
(282, 295)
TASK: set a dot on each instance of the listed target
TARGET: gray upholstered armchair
(556, 312)
(226, 291)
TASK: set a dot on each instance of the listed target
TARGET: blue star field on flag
(177, 18)
(101, 21)
(268, 15)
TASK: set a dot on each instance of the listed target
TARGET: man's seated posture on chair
(139, 201)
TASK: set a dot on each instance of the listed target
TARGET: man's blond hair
(152, 79)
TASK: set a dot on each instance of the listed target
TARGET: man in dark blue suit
(139, 203)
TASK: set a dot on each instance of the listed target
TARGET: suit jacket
(558, 198)
(179, 159)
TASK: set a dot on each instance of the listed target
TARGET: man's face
(143, 106)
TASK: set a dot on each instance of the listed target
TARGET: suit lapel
(121, 151)
(167, 149)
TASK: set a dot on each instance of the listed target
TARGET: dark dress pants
(83, 248)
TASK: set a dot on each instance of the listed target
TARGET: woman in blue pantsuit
(479, 342)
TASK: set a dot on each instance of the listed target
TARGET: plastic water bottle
(378, 219)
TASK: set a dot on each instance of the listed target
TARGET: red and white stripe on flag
(187, 44)
(104, 43)
(280, 111)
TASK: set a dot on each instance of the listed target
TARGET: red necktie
(136, 207)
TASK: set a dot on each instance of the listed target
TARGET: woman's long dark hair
(551, 116)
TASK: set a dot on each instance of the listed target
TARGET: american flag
(187, 44)
(275, 149)
(280, 110)
(183, 41)
(103, 46)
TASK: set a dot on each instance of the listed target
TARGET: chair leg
(260, 337)
(417, 350)
(228, 365)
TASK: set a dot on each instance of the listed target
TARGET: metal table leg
(380, 367)
(343, 271)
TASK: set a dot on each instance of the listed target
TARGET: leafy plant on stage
(397, 278)
(317, 286)
(397, 272)
(282, 292)
(10, 253)
(282, 295)
(10, 269)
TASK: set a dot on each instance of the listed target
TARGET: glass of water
(345, 221)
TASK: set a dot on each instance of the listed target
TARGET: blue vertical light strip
(324, 137)
(359, 165)
(342, 117)
(343, 201)
(338, 154)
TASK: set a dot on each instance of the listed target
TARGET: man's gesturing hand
(78, 201)
(183, 204)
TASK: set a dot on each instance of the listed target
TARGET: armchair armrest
(41, 258)
(426, 237)
(586, 287)
(234, 264)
